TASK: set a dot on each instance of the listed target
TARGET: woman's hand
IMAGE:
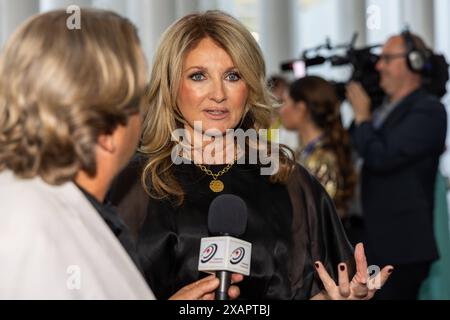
(360, 288)
(204, 289)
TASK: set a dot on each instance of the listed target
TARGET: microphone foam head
(227, 215)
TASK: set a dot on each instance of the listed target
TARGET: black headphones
(416, 59)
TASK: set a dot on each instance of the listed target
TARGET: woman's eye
(233, 76)
(197, 77)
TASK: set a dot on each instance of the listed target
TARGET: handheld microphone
(224, 253)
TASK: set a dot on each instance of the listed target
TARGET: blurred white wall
(283, 27)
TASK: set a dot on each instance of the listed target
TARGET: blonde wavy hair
(163, 115)
(60, 89)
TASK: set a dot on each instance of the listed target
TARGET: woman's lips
(216, 114)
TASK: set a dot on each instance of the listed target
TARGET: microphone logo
(208, 253)
(237, 255)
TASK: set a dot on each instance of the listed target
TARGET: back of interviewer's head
(61, 88)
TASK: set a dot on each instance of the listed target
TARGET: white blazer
(55, 245)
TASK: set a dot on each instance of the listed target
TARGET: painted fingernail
(390, 270)
(342, 267)
(317, 265)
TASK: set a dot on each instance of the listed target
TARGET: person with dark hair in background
(208, 79)
(70, 120)
(400, 143)
(278, 85)
(312, 109)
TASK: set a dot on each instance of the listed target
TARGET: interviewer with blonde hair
(70, 104)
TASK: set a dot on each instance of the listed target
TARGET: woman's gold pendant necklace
(216, 185)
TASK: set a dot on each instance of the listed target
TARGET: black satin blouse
(290, 227)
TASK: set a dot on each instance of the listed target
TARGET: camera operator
(400, 143)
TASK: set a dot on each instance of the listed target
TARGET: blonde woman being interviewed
(209, 72)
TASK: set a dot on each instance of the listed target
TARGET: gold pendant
(216, 186)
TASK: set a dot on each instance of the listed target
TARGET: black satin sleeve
(159, 242)
(317, 235)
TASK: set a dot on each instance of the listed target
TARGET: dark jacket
(290, 227)
(401, 159)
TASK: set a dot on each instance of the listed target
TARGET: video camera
(363, 62)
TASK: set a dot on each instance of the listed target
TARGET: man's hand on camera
(360, 101)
